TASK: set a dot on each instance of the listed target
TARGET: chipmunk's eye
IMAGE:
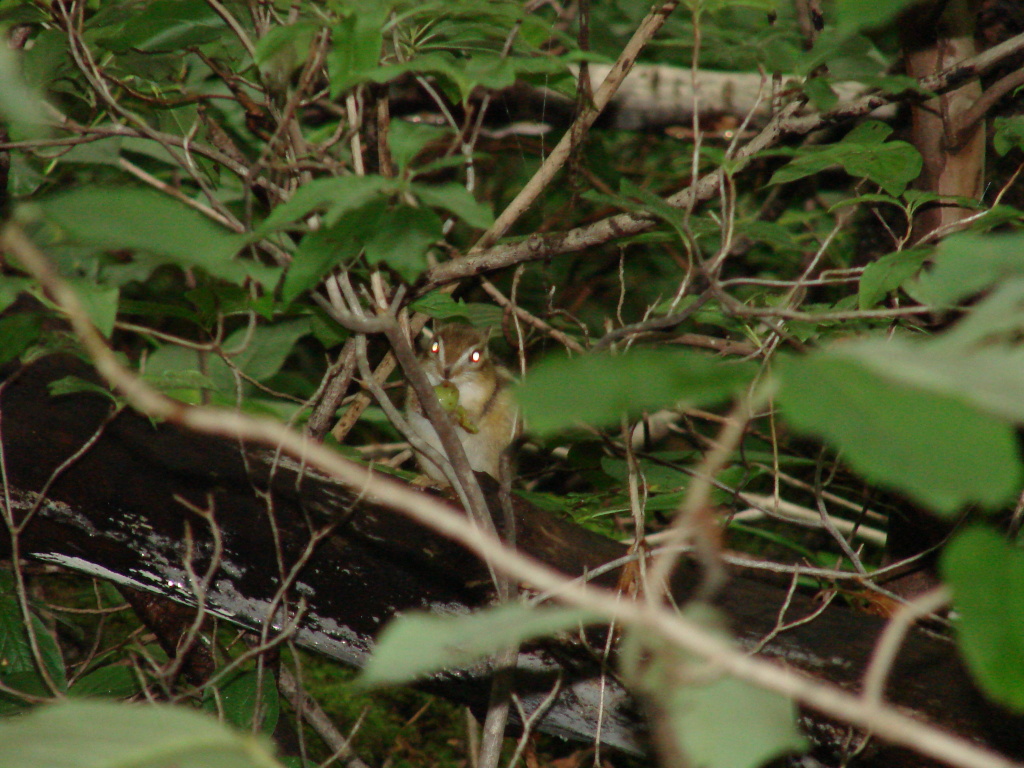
(434, 348)
(475, 356)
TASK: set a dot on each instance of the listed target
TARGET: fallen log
(143, 505)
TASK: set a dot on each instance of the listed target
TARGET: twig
(780, 623)
(889, 643)
(528, 722)
(309, 710)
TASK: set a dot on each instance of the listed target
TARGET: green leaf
(440, 63)
(1009, 134)
(728, 723)
(73, 385)
(284, 49)
(871, 197)
(264, 351)
(167, 25)
(320, 251)
(995, 324)
(598, 388)
(259, 355)
(100, 303)
(335, 197)
(401, 238)
(419, 644)
(892, 165)
(21, 106)
(239, 696)
(706, 718)
(46, 61)
(11, 287)
(978, 361)
(489, 70)
(278, 39)
(967, 263)
(92, 734)
(356, 47)
(407, 140)
(819, 91)
(456, 199)
(888, 273)
(17, 333)
(19, 670)
(935, 447)
(442, 306)
(117, 218)
(113, 681)
(987, 577)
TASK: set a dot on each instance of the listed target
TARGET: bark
(936, 36)
(126, 511)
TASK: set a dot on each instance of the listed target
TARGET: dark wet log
(126, 510)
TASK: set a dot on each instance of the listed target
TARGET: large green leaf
(21, 106)
(334, 197)
(356, 46)
(727, 723)
(100, 302)
(442, 306)
(11, 287)
(284, 49)
(407, 140)
(113, 681)
(863, 153)
(420, 644)
(887, 274)
(88, 734)
(319, 252)
(987, 577)
(264, 351)
(167, 25)
(597, 389)
(1009, 134)
(936, 447)
(986, 376)
(134, 218)
(258, 354)
(17, 332)
(400, 237)
(967, 263)
(979, 360)
(442, 64)
(704, 718)
(456, 199)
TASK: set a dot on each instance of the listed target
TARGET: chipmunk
(474, 391)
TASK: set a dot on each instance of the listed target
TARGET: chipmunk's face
(456, 354)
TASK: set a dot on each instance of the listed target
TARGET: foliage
(101, 734)
(197, 170)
